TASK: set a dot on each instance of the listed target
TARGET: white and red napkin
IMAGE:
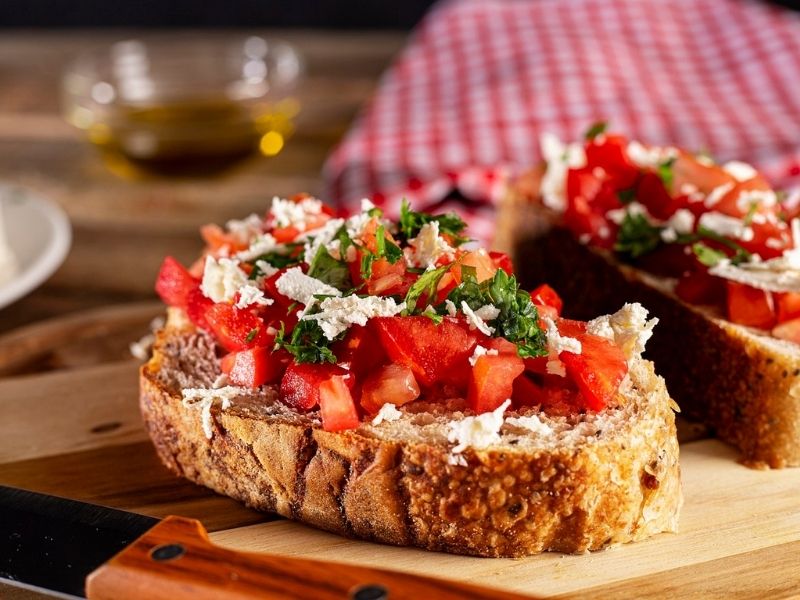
(480, 80)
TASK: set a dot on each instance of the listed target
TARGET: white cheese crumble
(243, 230)
(556, 344)
(726, 225)
(287, 213)
(339, 313)
(260, 245)
(481, 351)
(425, 249)
(222, 278)
(141, 348)
(476, 321)
(451, 307)
(715, 195)
(250, 294)
(650, 157)
(628, 328)
(297, 286)
(681, 222)
(267, 270)
(204, 399)
(322, 236)
(749, 198)
(740, 171)
(634, 208)
(559, 158)
(477, 432)
(388, 412)
(531, 423)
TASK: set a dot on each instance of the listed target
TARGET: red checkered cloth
(468, 98)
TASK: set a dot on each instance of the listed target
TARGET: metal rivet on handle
(167, 552)
(370, 592)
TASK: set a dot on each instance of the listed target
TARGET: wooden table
(68, 391)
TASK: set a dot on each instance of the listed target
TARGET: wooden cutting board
(70, 426)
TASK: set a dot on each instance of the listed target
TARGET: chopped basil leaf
(627, 196)
(518, 321)
(596, 129)
(411, 222)
(637, 236)
(707, 255)
(252, 335)
(665, 173)
(367, 258)
(375, 212)
(307, 343)
(333, 272)
(426, 285)
(748, 218)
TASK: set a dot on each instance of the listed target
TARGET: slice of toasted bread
(740, 381)
(579, 483)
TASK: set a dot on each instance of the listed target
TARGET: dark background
(336, 14)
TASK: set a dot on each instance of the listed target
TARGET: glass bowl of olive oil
(186, 105)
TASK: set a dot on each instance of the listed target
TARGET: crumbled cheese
(774, 243)
(628, 328)
(726, 225)
(204, 399)
(477, 432)
(297, 286)
(366, 205)
(634, 208)
(740, 171)
(425, 249)
(451, 308)
(267, 270)
(338, 314)
(556, 344)
(476, 322)
(650, 157)
(682, 221)
(222, 278)
(762, 198)
(322, 236)
(141, 348)
(687, 189)
(287, 213)
(388, 412)
(488, 312)
(669, 235)
(250, 294)
(481, 351)
(243, 230)
(717, 194)
(559, 158)
(260, 245)
(532, 423)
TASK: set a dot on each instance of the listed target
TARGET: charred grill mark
(306, 451)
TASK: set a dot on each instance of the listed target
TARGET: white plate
(38, 233)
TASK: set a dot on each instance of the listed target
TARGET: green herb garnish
(330, 270)
(411, 222)
(595, 129)
(252, 335)
(637, 236)
(426, 285)
(665, 172)
(307, 343)
(627, 196)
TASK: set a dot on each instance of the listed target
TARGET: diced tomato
(526, 393)
(729, 203)
(502, 345)
(651, 192)
(609, 152)
(174, 283)
(435, 353)
(750, 306)
(360, 350)
(336, 405)
(284, 235)
(393, 384)
(236, 329)
(254, 367)
(766, 236)
(688, 170)
(788, 330)
(197, 305)
(788, 306)
(389, 279)
(502, 261)
(545, 296)
(571, 328)
(301, 382)
(699, 287)
(597, 371)
(537, 364)
(480, 260)
(217, 239)
(491, 380)
(271, 288)
(447, 284)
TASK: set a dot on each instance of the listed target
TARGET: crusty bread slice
(592, 481)
(740, 381)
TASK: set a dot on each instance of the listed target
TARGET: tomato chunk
(361, 350)
(788, 330)
(502, 261)
(597, 371)
(336, 405)
(750, 306)
(545, 296)
(492, 381)
(788, 306)
(197, 305)
(301, 382)
(174, 283)
(435, 353)
(236, 329)
(699, 287)
(254, 367)
(392, 384)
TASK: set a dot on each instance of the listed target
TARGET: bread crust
(620, 487)
(741, 382)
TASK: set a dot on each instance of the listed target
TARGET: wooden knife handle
(176, 560)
